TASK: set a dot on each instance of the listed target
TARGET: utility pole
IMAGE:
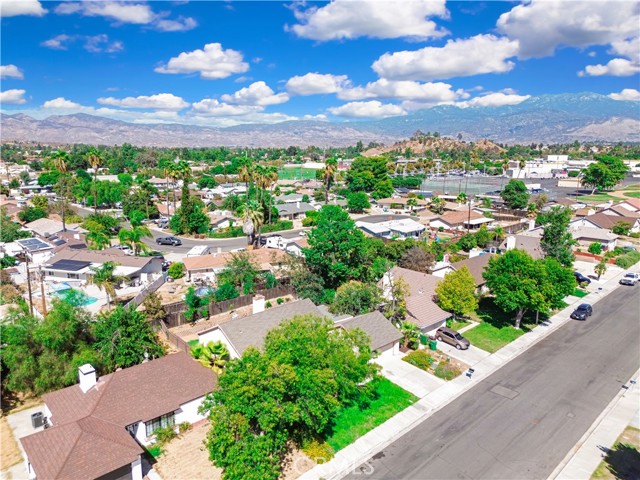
(469, 217)
(26, 256)
(44, 299)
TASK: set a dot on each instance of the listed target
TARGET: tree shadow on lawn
(623, 461)
(489, 312)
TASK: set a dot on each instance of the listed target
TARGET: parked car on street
(580, 278)
(630, 279)
(452, 337)
(582, 312)
(168, 241)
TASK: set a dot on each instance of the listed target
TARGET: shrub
(634, 234)
(420, 359)
(184, 427)
(155, 450)
(164, 435)
(319, 451)
(268, 304)
(628, 259)
(277, 226)
(176, 270)
(447, 371)
(280, 301)
(226, 291)
(595, 248)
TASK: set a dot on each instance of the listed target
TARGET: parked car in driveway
(168, 241)
(452, 337)
(630, 279)
(580, 278)
(582, 312)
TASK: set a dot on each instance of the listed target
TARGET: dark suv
(580, 278)
(582, 312)
(450, 336)
(168, 241)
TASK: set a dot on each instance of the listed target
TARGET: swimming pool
(202, 291)
(64, 293)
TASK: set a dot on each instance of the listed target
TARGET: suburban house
(79, 265)
(292, 211)
(585, 236)
(11, 208)
(528, 243)
(217, 221)
(289, 198)
(631, 204)
(422, 308)
(238, 334)
(476, 266)
(38, 251)
(619, 210)
(295, 246)
(208, 266)
(98, 426)
(458, 220)
(48, 227)
(393, 229)
(401, 203)
(606, 222)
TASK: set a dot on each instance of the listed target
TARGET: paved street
(521, 421)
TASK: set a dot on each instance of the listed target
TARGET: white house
(98, 426)
(396, 229)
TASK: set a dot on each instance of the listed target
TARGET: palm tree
(521, 164)
(245, 174)
(60, 159)
(95, 160)
(412, 202)
(166, 176)
(532, 210)
(173, 174)
(98, 240)
(133, 237)
(273, 178)
(213, 355)
(103, 277)
(252, 218)
(461, 198)
(328, 176)
(437, 205)
(411, 333)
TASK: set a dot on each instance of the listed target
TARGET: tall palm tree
(273, 179)
(133, 237)
(94, 157)
(213, 355)
(149, 191)
(245, 174)
(252, 218)
(437, 205)
(412, 202)
(103, 277)
(166, 171)
(174, 175)
(328, 176)
(98, 240)
(60, 159)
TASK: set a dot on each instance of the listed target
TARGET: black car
(582, 312)
(168, 241)
(580, 278)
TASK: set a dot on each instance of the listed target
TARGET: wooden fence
(152, 287)
(173, 339)
(175, 311)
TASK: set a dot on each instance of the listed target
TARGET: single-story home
(98, 426)
(48, 227)
(208, 266)
(458, 220)
(606, 222)
(291, 211)
(295, 246)
(384, 337)
(621, 211)
(422, 308)
(396, 229)
(476, 266)
(218, 221)
(631, 204)
(585, 236)
(402, 202)
(528, 243)
(289, 198)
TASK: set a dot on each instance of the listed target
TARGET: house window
(168, 420)
(73, 275)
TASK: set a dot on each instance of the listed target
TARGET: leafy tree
(383, 189)
(411, 334)
(595, 248)
(355, 298)
(358, 202)
(437, 205)
(515, 194)
(104, 278)
(226, 291)
(412, 202)
(483, 236)
(97, 239)
(153, 308)
(621, 228)
(213, 355)
(396, 307)
(176, 270)
(417, 258)
(601, 266)
(133, 237)
(336, 247)
(40, 201)
(556, 240)
(467, 242)
(29, 214)
(123, 336)
(240, 269)
(558, 281)
(605, 174)
(197, 306)
(456, 292)
(305, 283)
(9, 230)
(291, 392)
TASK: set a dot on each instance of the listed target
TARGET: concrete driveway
(20, 424)
(405, 375)
(471, 356)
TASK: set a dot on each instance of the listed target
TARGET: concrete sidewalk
(354, 455)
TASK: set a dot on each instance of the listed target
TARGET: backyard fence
(175, 311)
(152, 287)
(173, 339)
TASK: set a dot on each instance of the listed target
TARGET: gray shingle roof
(476, 266)
(252, 330)
(374, 324)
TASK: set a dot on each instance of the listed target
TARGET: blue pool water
(202, 291)
(62, 294)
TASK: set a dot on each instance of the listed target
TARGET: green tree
(601, 266)
(153, 308)
(97, 239)
(104, 278)
(417, 258)
(176, 270)
(395, 308)
(328, 176)
(252, 218)
(456, 292)
(605, 174)
(336, 247)
(94, 158)
(437, 205)
(621, 228)
(595, 248)
(515, 194)
(240, 269)
(483, 236)
(411, 334)
(213, 355)
(557, 241)
(29, 214)
(305, 283)
(9, 230)
(123, 336)
(133, 237)
(383, 189)
(467, 242)
(197, 306)
(355, 298)
(40, 201)
(226, 291)
(358, 202)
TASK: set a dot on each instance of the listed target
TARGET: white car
(630, 279)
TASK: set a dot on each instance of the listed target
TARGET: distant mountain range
(544, 119)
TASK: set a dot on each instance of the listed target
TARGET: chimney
(511, 242)
(87, 376)
(297, 204)
(258, 304)
(532, 224)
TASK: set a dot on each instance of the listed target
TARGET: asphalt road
(557, 389)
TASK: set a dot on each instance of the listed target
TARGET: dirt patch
(9, 453)
(295, 464)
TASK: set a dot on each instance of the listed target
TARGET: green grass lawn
(579, 293)
(632, 194)
(458, 324)
(597, 197)
(353, 422)
(297, 173)
(496, 327)
(633, 186)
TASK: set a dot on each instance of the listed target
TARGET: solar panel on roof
(32, 244)
(69, 265)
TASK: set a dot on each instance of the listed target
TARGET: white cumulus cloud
(59, 42)
(542, 26)
(371, 109)
(11, 71)
(258, 93)
(13, 8)
(458, 58)
(125, 12)
(12, 97)
(160, 101)
(180, 24)
(213, 62)
(432, 93)
(495, 100)
(316, 83)
(618, 67)
(61, 103)
(626, 94)
(347, 19)
(91, 43)
(215, 108)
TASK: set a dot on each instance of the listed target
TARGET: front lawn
(632, 194)
(353, 422)
(458, 324)
(579, 293)
(623, 460)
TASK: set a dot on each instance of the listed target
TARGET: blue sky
(224, 63)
